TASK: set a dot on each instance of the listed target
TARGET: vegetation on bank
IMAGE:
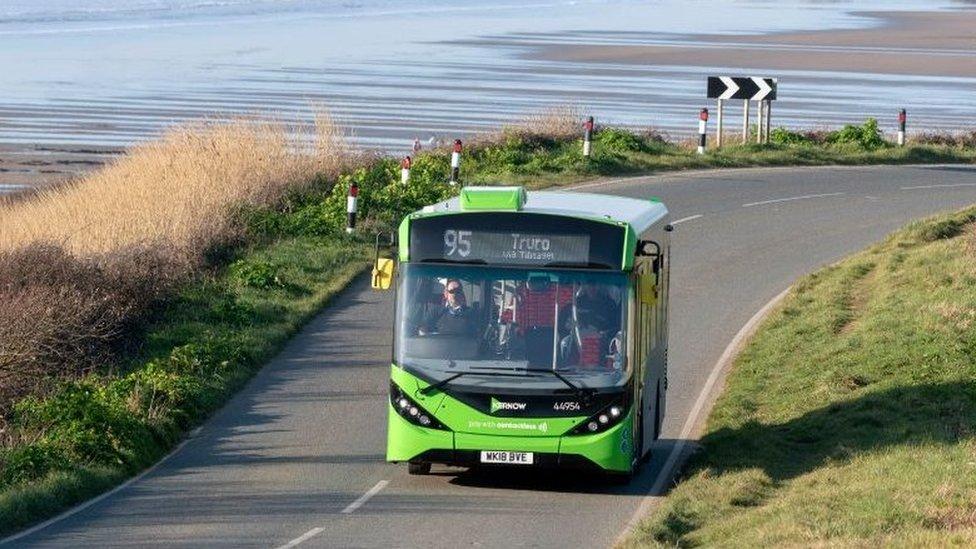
(138, 299)
(850, 418)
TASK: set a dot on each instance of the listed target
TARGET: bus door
(646, 335)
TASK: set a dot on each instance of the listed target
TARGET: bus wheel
(418, 468)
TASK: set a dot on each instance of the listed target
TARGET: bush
(866, 136)
(782, 136)
(619, 141)
(62, 316)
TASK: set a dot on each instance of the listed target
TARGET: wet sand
(908, 43)
(37, 166)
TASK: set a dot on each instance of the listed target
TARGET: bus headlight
(411, 411)
(602, 420)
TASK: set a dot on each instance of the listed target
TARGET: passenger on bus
(591, 332)
(599, 309)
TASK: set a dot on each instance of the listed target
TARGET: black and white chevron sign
(742, 87)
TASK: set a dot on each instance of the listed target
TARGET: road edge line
(705, 399)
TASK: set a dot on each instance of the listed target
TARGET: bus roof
(640, 214)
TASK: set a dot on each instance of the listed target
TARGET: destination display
(518, 239)
(516, 248)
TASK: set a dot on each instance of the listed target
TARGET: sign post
(456, 162)
(769, 118)
(587, 136)
(902, 118)
(745, 121)
(748, 88)
(718, 129)
(702, 125)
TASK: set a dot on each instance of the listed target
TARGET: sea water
(112, 72)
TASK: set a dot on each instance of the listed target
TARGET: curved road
(297, 456)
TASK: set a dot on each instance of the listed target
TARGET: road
(297, 456)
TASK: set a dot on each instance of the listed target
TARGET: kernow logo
(508, 406)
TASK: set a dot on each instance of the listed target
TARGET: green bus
(530, 331)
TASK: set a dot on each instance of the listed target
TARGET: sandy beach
(907, 43)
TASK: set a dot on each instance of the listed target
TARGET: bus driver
(454, 316)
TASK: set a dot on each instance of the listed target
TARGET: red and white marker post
(702, 128)
(456, 162)
(351, 208)
(587, 136)
(405, 170)
(902, 119)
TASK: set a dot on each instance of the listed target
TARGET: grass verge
(849, 418)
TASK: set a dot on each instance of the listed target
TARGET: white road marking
(365, 497)
(724, 361)
(948, 185)
(689, 218)
(302, 538)
(81, 507)
(349, 509)
(790, 199)
(605, 182)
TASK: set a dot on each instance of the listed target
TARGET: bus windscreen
(516, 239)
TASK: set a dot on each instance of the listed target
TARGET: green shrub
(782, 136)
(26, 463)
(867, 136)
(619, 141)
(256, 274)
(88, 423)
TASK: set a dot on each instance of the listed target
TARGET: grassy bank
(89, 433)
(141, 298)
(849, 418)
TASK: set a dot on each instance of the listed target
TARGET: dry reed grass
(84, 265)
(178, 191)
(552, 123)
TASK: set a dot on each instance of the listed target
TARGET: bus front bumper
(611, 450)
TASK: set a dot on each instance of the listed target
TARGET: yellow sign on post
(383, 273)
(648, 289)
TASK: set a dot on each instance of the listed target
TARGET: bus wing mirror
(383, 271)
(651, 249)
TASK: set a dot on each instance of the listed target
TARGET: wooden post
(769, 119)
(718, 131)
(456, 163)
(760, 120)
(745, 122)
(702, 130)
(902, 118)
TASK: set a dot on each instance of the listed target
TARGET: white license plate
(514, 458)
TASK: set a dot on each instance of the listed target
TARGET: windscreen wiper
(582, 392)
(447, 380)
